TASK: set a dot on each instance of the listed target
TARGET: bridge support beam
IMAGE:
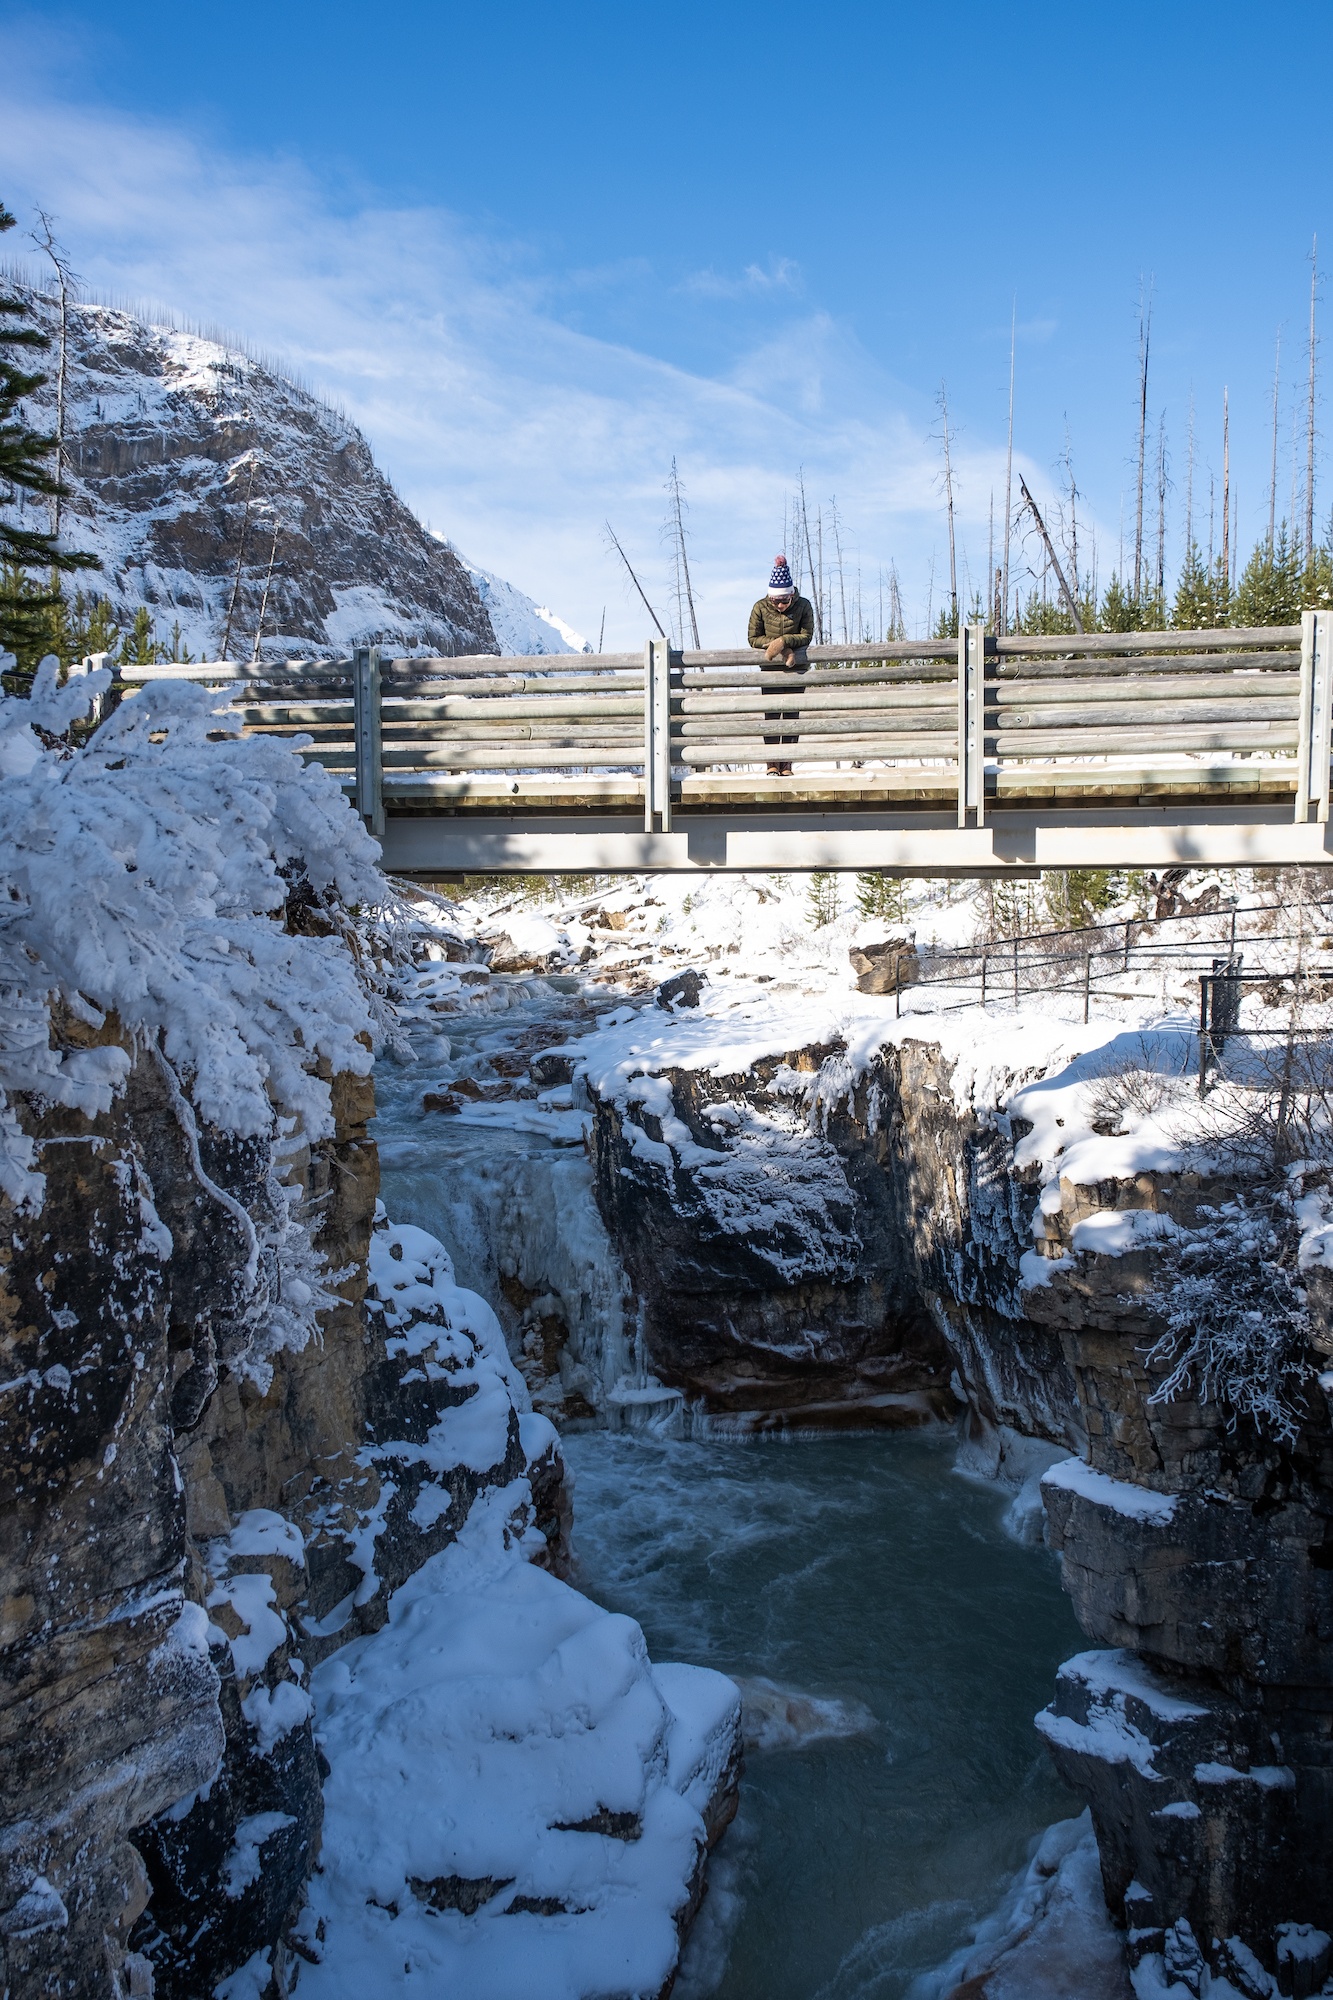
(971, 725)
(657, 737)
(1316, 716)
(923, 844)
(367, 736)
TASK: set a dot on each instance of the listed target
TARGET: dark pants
(800, 666)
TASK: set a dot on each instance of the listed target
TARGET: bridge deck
(974, 756)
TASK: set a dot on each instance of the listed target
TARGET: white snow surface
(521, 625)
(140, 874)
(501, 1743)
(1136, 1503)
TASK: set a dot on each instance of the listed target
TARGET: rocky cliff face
(890, 1256)
(208, 483)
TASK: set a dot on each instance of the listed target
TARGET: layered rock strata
(809, 1241)
(193, 1536)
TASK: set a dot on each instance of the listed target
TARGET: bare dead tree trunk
(635, 581)
(990, 555)
(1003, 623)
(842, 588)
(1226, 487)
(1272, 480)
(263, 602)
(240, 558)
(677, 508)
(1071, 602)
(45, 239)
(1309, 421)
(948, 497)
(1161, 508)
(1145, 333)
(810, 564)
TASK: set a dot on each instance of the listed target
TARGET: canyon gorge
(395, 1286)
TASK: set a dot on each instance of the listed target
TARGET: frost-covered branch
(145, 873)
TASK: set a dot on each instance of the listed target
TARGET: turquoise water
(865, 1572)
(861, 1572)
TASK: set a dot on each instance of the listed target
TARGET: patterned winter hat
(780, 583)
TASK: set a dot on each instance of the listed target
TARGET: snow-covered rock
(195, 466)
(519, 624)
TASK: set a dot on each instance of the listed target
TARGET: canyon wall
(814, 1243)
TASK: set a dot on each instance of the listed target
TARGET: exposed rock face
(180, 1543)
(837, 1276)
(882, 1250)
(1203, 1559)
(193, 465)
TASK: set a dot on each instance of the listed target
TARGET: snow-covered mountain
(204, 479)
(520, 625)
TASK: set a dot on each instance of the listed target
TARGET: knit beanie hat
(780, 583)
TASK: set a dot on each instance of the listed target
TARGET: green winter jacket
(796, 625)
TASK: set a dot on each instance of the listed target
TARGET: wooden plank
(1225, 639)
(1108, 715)
(839, 701)
(869, 676)
(409, 666)
(556, 707)
(1167, 687)
(622, 681)
(1123, 742)
(864, 649)
(1184, 778)
(787, 722)
(532, 757)
(818, 749)
(1280, 660)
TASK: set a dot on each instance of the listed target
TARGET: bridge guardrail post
(657, 737)
(367, 730)
(1316, 719)
(971, 725)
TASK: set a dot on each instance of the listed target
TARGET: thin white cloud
(780, 274)
(510, 432)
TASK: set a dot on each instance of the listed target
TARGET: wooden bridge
(975, 756)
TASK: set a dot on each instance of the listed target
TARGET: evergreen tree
(1076, 897)
(824, 901)
(882, 896)
(1269, 592)
(25, 611)
(1203, 594)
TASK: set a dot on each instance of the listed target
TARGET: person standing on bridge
(782, 625)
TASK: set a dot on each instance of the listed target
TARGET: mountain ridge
(242, 509)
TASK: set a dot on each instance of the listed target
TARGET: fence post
(1316, 723)
(971, 721)
(983, 982)
(657, 736)
(1203, 1032)
(366, 718)
(1087, 984)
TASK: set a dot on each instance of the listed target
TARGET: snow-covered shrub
(1142, 1083)
(145, 872)
(1237, 1325)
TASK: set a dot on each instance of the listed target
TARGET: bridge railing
(977, 722)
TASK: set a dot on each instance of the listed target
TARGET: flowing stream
(892, 1641)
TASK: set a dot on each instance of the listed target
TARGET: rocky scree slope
(185, 456)
(240, 1413)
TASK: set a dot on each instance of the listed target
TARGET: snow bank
(520, 625)
(1136, 1503)
(141, 874)
(517, 1799)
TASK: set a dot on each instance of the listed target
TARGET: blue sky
(536, 250)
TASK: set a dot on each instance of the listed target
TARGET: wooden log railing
(980, 722)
